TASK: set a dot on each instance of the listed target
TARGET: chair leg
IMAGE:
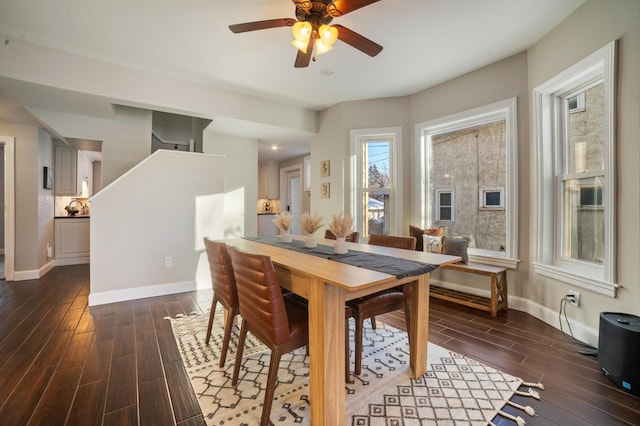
(373, 322)
(227, 335)
(212, 313)
(272, 379)
(357, 355)
(236, 368)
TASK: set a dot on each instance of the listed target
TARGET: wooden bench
(498, 298)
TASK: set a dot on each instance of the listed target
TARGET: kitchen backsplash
(268, 206)
(62, 202)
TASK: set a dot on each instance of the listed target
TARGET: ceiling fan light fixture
(328, 34)
(301, 31)
(321, 47)
(301, 45)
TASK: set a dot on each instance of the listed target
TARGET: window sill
(564, 275)
(485, 259)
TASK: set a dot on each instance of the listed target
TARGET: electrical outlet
(574, 298)
(168, 262)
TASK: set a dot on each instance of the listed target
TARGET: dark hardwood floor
(62, 362)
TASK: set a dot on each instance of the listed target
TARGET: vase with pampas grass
(283, 222)
(341, 225)
(310, 224)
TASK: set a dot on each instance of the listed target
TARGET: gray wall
(240, 181)
(592, 26)
(333, 143)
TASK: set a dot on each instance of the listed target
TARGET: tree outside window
(376, 194)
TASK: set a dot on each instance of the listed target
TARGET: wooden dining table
(327, 284)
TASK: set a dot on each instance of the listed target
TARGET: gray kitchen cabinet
(269, 180)
(65, 170)
(70, 170)
(71, 241)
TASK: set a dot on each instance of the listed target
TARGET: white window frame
(580, 103)
(548, 113)
(452, 206)
(501, 110)
(357, 138)
(482, 198)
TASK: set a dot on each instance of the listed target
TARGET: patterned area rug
(455, 390)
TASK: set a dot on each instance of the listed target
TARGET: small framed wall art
(325, 168)
(325, 190)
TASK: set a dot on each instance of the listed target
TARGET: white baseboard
(34, 274)
(72, 261)
(580, 331)
(114, 296)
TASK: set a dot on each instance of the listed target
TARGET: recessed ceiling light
(326, 71)
(274, 147)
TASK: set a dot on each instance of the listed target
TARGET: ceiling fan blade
(361, 43)
(342, 7)
(302, 59)
(262, 25)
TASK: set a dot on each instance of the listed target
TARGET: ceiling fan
(312, 31)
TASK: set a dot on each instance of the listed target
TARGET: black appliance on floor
(619, 349)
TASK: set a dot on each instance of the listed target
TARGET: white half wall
(147, 227)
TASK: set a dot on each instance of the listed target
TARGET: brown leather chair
(351, 238)
(408, 243)
(381, 302)
(223, 283)
(280, 322)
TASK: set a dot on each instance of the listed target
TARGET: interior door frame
(9, 206)
(284, 185)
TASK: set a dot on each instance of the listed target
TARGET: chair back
(408, 243)
(223, 281)
(351, 238)
(261, 302)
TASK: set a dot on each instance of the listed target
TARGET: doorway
(8, 183)
(291, 194)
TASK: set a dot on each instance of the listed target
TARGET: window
(491, 198)
(444, 205)
(374, 180)
(576, 103)
(575, 167)
(467, 165)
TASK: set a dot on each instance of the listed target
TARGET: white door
(294, 199)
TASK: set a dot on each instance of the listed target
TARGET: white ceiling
(426, 42)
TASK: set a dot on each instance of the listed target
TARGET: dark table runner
(401, 268)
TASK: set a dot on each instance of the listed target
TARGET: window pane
(467, 160)
(492, 198)
(586, 133)
(445, 199)
(445, 213)
(376, 213)
(376, 164)
(584, 219)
